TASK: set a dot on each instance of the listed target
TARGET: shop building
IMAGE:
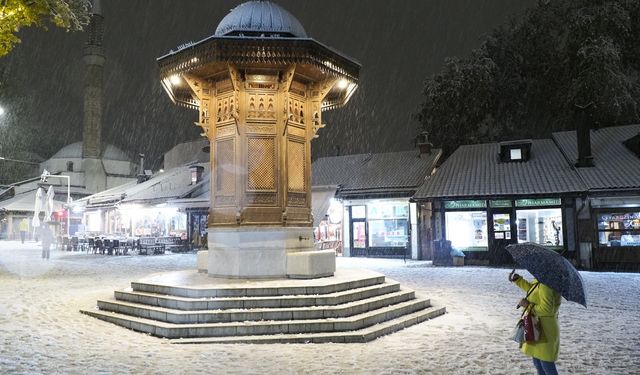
(609, 215)
(166, 204)
(371, 212)
(487, 196)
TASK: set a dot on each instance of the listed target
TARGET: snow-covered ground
(42, 332)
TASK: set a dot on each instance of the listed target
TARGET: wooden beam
(195, 84)
(287, 78)
(320, 90)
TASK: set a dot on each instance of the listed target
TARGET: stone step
(357, 336)
(216, 303)
(256, 290)
(259, 314)
(172, 330)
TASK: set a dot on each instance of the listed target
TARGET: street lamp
(44, 176)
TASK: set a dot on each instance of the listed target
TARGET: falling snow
(399, 45)
(43, 331)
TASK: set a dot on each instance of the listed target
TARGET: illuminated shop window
(467, 230)
(541, 226)
(619, 229)
(388, 224)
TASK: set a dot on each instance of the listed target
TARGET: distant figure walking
(47, 240)
(24, 228)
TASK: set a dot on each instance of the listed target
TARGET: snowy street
(42, 331)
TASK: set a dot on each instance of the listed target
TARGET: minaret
(94, 174)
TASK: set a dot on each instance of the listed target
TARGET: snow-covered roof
(615, 166)
(476, 171)
(26, 202)
(174, 183)
(367, 174)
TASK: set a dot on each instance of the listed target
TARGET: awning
(189, 203)
(321, 200)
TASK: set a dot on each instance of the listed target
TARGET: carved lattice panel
(261, 164)
(296, 109)
(225, 167)
(261, 106)
(296, 165)
(226, 107)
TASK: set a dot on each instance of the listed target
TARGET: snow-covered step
(351, 323)
(257, 290)
(186, 304)
(356, 336)
(257, 314)
(281, 301)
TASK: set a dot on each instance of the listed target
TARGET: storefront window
(467, 230)
(155, 222)
(388, 233)
(358, 212)
(94, 221)
(388, 224)
(541, 226)
(619, 229)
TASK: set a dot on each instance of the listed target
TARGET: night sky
(399, 44)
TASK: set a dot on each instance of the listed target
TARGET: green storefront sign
(465, 204)
(500, 203)
(538, 202)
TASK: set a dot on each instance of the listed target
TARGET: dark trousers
(544, 367)
(45, 252)
(23, 234)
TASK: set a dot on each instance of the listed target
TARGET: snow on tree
(528, 75)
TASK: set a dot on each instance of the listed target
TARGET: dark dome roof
(256, 18)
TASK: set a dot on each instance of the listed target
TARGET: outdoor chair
(108, 246)
(130, 245)
(120, 248)
(91, 245)
(64, 245)
(74, 243)
(99, 246)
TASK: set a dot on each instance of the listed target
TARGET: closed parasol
(48, 207)
(35, 222)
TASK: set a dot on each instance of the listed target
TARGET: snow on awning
(321, 200)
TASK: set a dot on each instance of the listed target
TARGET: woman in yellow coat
(545, 303)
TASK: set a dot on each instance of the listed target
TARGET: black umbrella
(551, 269)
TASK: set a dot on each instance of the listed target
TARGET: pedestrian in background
(47, 240)
(24, 228)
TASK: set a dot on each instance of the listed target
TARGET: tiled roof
(615, 166)
(391, 172)
(476, 171)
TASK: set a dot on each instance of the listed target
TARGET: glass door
(359, 237)
(502, 226)
(501, 235)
